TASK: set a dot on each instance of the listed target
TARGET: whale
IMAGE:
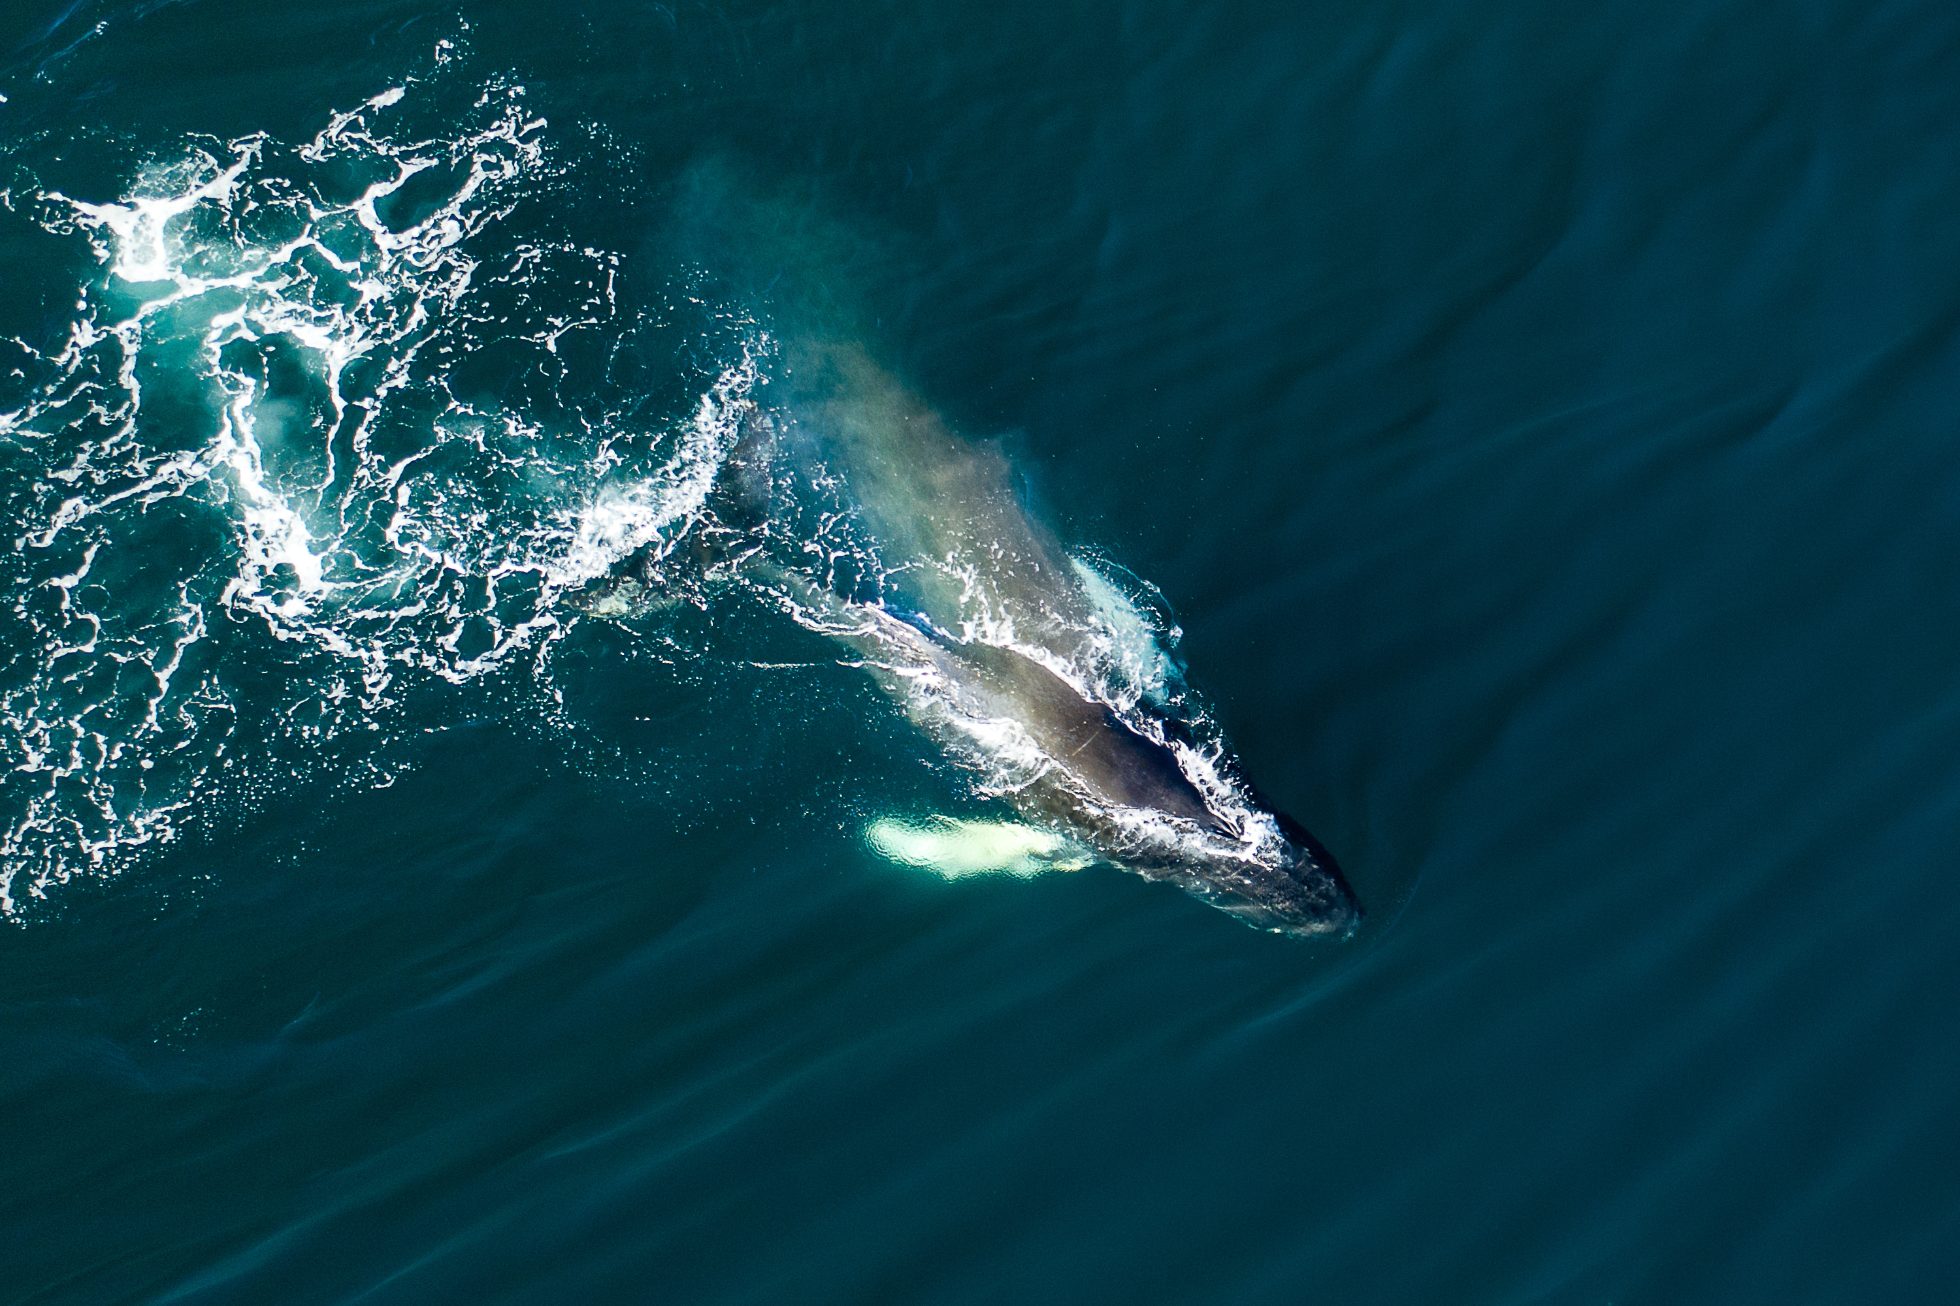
(851, 507)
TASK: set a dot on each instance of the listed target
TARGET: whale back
(1117, 764)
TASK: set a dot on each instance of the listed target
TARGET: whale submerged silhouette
(1030, 667)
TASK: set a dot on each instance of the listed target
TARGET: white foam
(1132, 650)
(138, 227)
(384, 555)
(626, 517)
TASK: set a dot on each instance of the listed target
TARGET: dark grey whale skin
(1120, 766)
(928, 495)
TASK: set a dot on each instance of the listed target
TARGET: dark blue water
(1540, 420)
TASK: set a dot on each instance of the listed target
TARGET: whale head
(1292, 886)
(1307, 894)
(1127, 784)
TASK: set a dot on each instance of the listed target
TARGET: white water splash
(262, 422)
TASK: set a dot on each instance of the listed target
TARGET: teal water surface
(1537, 418)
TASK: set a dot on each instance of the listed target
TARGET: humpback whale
(850, 506)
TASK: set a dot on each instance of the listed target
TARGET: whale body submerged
(1031, 668)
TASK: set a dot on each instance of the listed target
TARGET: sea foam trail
(256, 432)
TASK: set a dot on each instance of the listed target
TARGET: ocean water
(1538, 420)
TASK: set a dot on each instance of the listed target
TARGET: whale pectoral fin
(953, 848)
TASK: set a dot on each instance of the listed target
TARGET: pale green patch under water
(953, 848)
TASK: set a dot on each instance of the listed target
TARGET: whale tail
(745, 489)
(739, 507)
